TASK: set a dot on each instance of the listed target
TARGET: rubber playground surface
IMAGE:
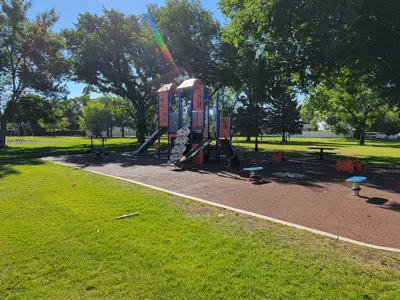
(305, 191)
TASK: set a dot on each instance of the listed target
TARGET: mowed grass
(49, 146)
(64, 242)
(373, 152)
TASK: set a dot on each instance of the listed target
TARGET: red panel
(163, 108)
(198, 101)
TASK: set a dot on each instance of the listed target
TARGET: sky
(69, 10)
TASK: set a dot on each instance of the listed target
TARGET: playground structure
(348, 166)
(100, 151)
(356, 181)
(184, 115)
(20, 133)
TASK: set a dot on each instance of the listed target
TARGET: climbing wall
(182, 138)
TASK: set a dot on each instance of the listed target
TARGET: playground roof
(166, 87)
(189, 83)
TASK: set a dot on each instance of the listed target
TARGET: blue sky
(70, 9)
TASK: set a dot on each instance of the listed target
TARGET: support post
(217, 129)
(191, 108)
(230, 126)
(356, 189)
(169, 123)
(179, 109)
(158, 125)
(204, 112)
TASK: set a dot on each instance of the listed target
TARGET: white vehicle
(371, 135)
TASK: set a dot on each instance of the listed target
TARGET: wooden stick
(127, 216)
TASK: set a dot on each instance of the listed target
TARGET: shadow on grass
(7, 166)
(38, 152)
(325, 143)
(313, 171)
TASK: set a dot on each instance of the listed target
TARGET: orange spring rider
(348, 166)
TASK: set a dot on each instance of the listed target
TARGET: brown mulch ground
(307, 192)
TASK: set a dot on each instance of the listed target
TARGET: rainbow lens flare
(161, 44)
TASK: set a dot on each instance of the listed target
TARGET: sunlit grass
(64, 242)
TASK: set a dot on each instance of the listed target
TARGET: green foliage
(72, 109)
(31, 55)
(314, 38)
(193, 37)
(388, 123)
(27, 109)
(283, 116)
(96, 117)
(346, 104)
(116, 54)
(54, 119)
(245, 118)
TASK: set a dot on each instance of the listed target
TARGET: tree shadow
(328, 143)
(57, 150)
(312, 172)
(7, 167)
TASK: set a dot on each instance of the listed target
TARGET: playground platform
(311, 194)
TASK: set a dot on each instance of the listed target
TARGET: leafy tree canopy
(31, 55)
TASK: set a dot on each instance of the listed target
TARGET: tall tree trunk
(123, 131)
(3, 124)
(111, 131)
(141, 122)
(283, 137)
(362, 135)
(248, 138)
(283, 129)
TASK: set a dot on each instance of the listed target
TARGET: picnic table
(321, 152)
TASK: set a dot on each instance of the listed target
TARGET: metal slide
(204, 143)
(150, 141)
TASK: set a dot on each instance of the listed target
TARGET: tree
(320, 37)
(95, 117)
(72, 109)
(283, 116)
(123, 114)
(30, 108)
(346, 104)
(116, 54)
(388, 123)
(31, 56)
(245, 118)
(193, 37)
(54, 119)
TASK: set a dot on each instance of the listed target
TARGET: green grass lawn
(64, 242)
(374, 152)
(48, 146)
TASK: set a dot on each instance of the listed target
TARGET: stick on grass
(127, 216)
